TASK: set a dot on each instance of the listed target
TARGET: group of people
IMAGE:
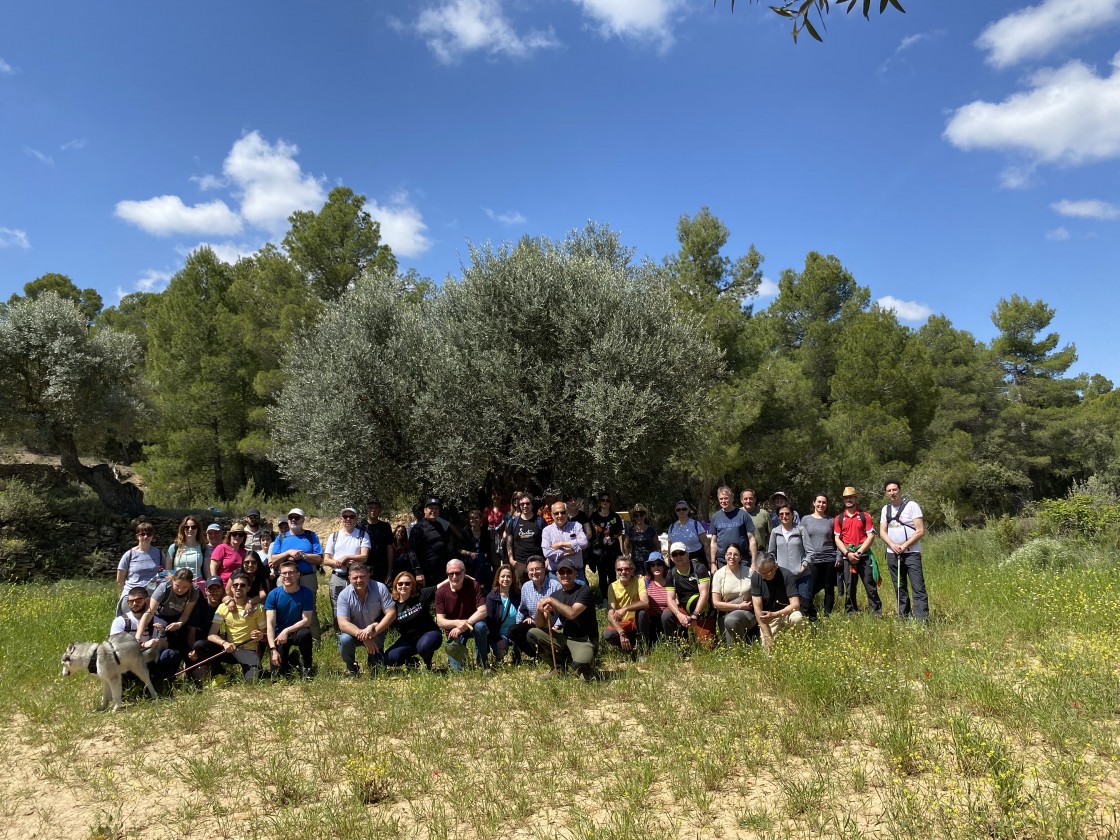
(510, 584)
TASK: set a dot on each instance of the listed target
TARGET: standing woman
(404, 560)
(640, 537)
(787, 547)
(820, 549)
(687, 530)
(141, 565)
(260, 582)
(188, 552)
(228, 557)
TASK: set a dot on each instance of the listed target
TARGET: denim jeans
(457, 648)
(403, 650)
(348, 646)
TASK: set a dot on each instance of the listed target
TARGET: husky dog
(108, 660)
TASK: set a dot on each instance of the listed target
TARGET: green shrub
(1048, 553)
(1081, 515)
(1010, 532)
(25, 508)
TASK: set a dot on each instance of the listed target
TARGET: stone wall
(79, 549)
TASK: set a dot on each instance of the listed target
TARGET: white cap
(295, 512)
(678, 546)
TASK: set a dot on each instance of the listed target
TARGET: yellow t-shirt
(238, 624)
(623, 596)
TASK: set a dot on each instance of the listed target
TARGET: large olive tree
(69, 387)
(556, 364)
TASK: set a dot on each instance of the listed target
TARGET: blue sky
(959, 153)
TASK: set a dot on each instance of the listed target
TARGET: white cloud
(73, 145)
(209, 182)
(767, 288)
(512, 217)
(13, 238)
(906, 310)
(1037, 31)
(227, 252)
(152, 281)
(1069, 116)
(402, 226)
(453, 29)
(1058, 234)
(39, 156)
(641, 19)
(1089, 208)
(166, 214)
(272, 185)
(6, 69)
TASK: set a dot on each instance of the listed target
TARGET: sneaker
(350, 673)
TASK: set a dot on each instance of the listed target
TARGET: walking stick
(203, 662)
(551, 643)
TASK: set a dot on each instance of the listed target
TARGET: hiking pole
(898, 587)
(203, 662)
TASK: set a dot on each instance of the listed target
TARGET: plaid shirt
(530, 597)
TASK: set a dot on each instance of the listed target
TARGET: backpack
(864, 517)
(893, 514)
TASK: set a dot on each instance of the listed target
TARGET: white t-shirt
(901, 528)
(339, 544)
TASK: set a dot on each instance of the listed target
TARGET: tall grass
(997, 719)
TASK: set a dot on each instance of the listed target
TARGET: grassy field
(999, 719)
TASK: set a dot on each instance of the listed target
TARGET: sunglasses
(682, 510)
(239, 585)
(677, 553)
(454, 574)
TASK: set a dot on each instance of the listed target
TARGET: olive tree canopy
(550, 364)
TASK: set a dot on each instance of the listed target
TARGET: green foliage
(73, 387)
(708, 285)
(131, 316)
(1047, 553)
(1080, 515)
(335, 246)
(25, 508)
(538, 343)
(88, 301)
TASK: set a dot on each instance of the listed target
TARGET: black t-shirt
(584, 625)
(526, 537)
(641, 544)
(687, 585)
(414, 617)
(776, 592)
(202, 616)
(380, 538)
(432, 548)
(605, 531)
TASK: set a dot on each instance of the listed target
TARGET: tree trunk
(119, 497)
